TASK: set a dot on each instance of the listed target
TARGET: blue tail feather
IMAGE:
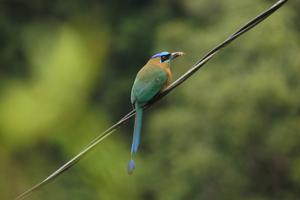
(136, 136)
(137, 128)
(131, 166)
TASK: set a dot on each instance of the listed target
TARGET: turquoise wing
(148, 82)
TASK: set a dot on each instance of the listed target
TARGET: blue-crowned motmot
(150, 80)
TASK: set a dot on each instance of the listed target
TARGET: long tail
(136, 136)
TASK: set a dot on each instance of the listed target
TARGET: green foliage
(230, 132)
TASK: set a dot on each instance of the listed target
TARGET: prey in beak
(176, 54)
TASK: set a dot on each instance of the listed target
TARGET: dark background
(230, 132)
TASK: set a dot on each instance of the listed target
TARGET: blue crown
(164, 53)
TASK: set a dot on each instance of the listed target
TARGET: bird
(151, 79)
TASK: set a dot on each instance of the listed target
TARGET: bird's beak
(176, 54)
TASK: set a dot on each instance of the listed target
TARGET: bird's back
(149, 81)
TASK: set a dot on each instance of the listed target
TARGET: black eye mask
(165, 57)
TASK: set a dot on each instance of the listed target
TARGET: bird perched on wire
(150, 80)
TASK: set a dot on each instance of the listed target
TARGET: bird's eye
(164, 58)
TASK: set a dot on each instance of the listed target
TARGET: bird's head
(165, 57)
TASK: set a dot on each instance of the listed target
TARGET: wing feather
(149, 81)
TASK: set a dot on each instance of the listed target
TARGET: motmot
(152, 78)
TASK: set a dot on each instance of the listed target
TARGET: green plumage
(149, 81)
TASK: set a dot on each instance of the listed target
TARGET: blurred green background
(230, 132)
